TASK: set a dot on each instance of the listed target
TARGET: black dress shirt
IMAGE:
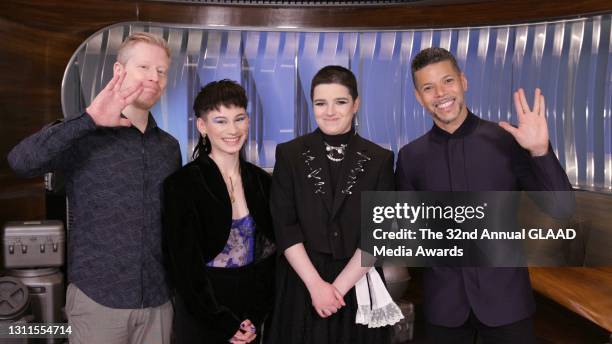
(478, 156)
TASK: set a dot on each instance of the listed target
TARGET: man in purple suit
(465, 153)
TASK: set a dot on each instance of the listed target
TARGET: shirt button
(335, 234)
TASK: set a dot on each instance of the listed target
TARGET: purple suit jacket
(478, 156)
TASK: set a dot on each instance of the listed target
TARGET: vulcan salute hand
(106, 108)
(532, 131)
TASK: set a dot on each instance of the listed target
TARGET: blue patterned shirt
(113, 184)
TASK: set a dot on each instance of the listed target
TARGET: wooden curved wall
(37, 38)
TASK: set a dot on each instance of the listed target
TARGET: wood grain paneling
(585, 291)
(38, 38)
(554, 324)
(75, 18)
(427, 14)
(22, 199)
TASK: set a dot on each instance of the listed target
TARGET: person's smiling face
(227, 128)
(440, 88)
(334, 108)
(146, 64)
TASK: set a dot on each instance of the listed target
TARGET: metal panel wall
(570, 60)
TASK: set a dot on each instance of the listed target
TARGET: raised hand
(245, 334)
(105, 109)
(532, 130)
(326, 299)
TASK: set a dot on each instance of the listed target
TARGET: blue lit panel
(570, 60)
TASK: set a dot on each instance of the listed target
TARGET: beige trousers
(92, 323)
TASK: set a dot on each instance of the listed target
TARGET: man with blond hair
(115, 158)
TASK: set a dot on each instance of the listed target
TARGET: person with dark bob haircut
(322, 289)
(218, 237)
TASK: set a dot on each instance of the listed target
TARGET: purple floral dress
(239, 249)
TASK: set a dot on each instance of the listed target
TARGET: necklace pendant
(335, 150)
(231, 190)
(330, 157)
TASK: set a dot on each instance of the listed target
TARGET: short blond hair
(140, 37)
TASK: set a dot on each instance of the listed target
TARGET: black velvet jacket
(197, 217)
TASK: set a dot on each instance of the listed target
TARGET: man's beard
(146, 104)
(453, 118)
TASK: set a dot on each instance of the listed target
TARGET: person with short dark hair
(218, 237)
(115, 158)
(315, 202)
(465, 153)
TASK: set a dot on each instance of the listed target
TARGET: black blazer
(197, 216)
(301, 197)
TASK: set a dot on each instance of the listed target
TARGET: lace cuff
(382, 311)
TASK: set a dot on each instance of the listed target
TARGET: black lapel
(316, 167)
(355, 164)
(210, 172)
(217, 198)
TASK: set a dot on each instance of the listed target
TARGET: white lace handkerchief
(382, 311)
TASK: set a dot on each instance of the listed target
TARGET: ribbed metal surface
(570, 60)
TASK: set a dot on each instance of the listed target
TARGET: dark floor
(553, 325)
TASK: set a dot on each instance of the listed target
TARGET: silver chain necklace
(338, 150)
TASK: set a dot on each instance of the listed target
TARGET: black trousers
(473, 331)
